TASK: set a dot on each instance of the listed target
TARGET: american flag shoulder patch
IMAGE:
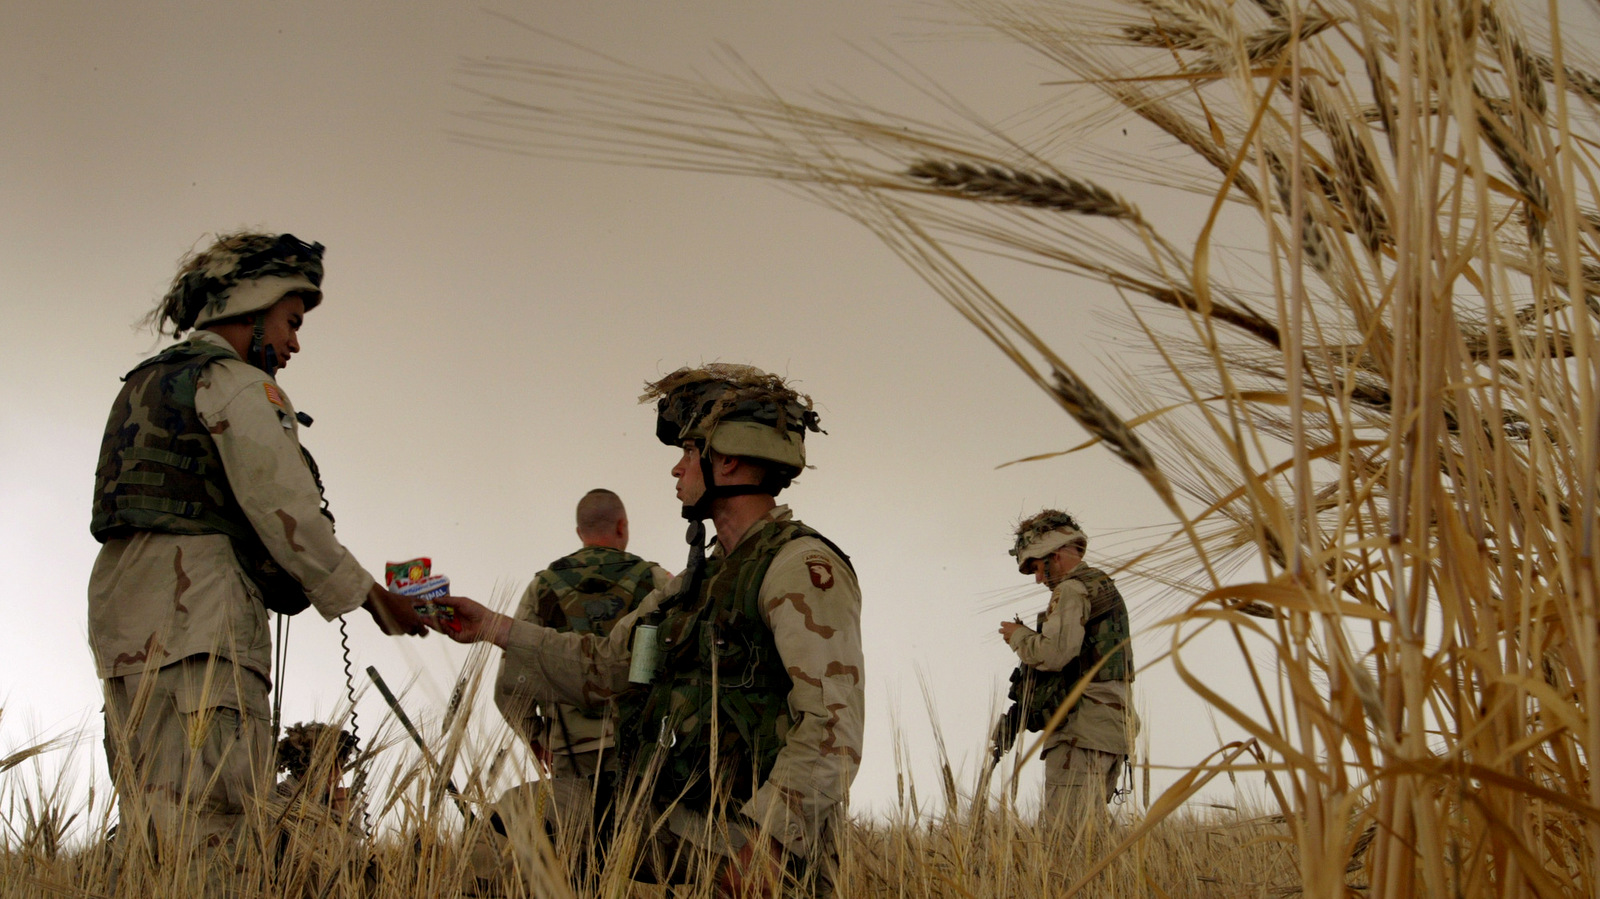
(275, 396)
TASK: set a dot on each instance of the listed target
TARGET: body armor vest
(1105, 636)
(721, 693)
(589, 590)
(159, 469)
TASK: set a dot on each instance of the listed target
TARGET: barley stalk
(998, 185)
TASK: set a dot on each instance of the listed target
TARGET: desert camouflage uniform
(1084, 757)
(178, 629)
(810, 601)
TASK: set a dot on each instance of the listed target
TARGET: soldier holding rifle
(1082, 634)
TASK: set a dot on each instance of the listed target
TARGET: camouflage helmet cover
(243, 273)
(1042, 534)
(300, 744)
(737, 410)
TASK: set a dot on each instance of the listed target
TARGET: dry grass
(1381, 439)
(423, 842)
(1384, 431)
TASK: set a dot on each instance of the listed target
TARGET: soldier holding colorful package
(742, 716)
(210, 513)
(1083, 632)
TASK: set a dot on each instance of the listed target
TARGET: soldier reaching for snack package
(584, 592)
(210, 514)
(738, 688)
(1083, 632)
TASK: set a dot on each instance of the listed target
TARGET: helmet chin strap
(701, 508)
(262, 355)
(697, 512)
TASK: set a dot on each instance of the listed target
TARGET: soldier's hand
(1007, 628)
(471, 621)
(393, 612)
(755, 873)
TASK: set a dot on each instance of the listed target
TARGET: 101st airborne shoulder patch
(820, 569)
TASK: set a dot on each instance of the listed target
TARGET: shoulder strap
(183, 351)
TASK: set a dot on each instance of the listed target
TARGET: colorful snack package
(409, 570)
(412, 578)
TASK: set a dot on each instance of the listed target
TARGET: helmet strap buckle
(262, 355)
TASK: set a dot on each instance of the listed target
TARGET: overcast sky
(489, 322)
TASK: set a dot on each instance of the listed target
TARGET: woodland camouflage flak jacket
(777, 624)
(590, 589)
(716, 648)
(159, 469)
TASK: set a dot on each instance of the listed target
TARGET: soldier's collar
(202, 335)
(775, 514)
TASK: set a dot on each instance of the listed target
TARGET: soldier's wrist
(498, 630)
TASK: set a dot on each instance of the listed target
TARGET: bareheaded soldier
(584, 592)
(1084, 631)
(209, 514)
(741, 720)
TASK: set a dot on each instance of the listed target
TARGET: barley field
(1366, 394)
(418, 835)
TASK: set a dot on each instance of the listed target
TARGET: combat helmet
(1040, 535)
(300, 745)
(241, 273)
(737, 410)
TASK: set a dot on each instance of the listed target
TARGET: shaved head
(601, 517)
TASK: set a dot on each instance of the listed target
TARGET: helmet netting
(1033, 527)
(696, 399)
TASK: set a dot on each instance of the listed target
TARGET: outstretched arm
(542, 664)
(468, 621)
(253, 426)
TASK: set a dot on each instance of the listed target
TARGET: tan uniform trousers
(561, 806)
(188, 747)
(567, 808)
(1078, 783)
